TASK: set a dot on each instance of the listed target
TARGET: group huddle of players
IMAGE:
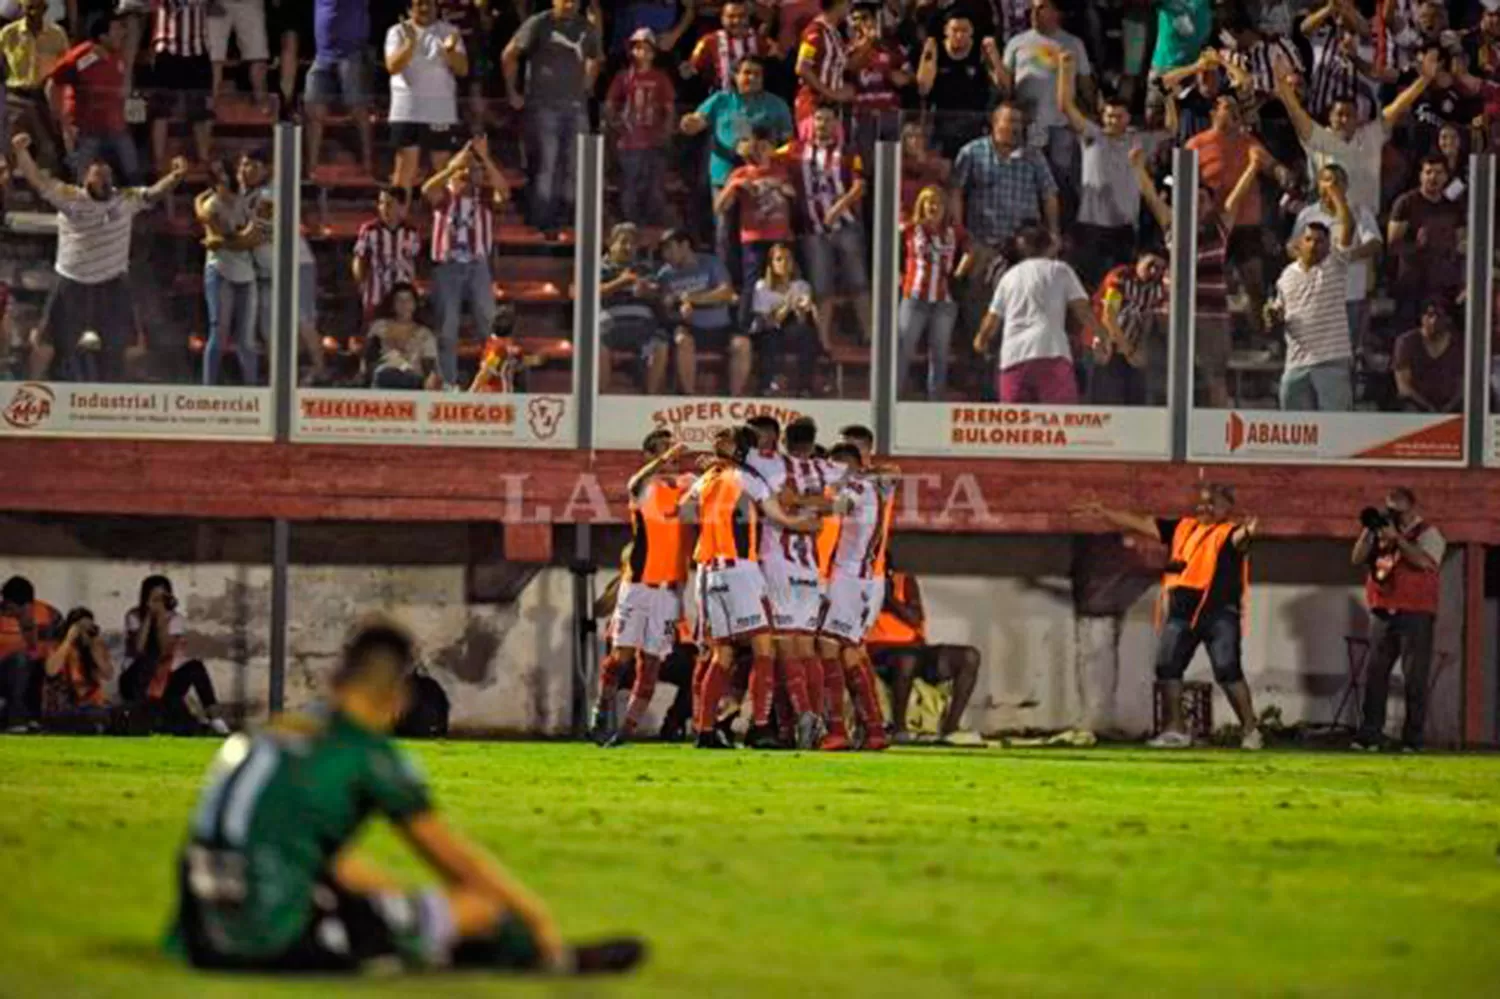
(789, 567)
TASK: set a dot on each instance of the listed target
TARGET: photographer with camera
(28, 632)
(77, 671)
(153, 640)
(1402, 556)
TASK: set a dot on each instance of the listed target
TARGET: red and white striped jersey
(180, 28)
(824, 50)
(390, 256)
(790, 549)
(932, 255)
(866, 506)
(463, 229)
(826, 174)
(718, 53)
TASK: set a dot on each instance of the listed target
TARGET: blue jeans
(552, 132)
(454, 284)
(117, 150)
(937, 320)
(643, 198)
(1318, 388)
(231, 305)
(332, 77)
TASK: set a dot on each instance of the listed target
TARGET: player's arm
(1135, 523)
(779, 515)
(651, 467)
(362, 877)
(465, 866)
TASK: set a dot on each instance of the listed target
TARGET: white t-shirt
(176, 623)
(1359, 156)
(1365, 230)
(425, 92)
(1032, 303)
(1032, 59)
(1317, 324)
(766, 300)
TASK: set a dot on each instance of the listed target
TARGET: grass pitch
(918, 873)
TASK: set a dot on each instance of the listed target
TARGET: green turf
(920, 873)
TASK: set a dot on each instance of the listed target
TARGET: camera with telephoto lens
(1374, 519)
(169, 602)
(89, 632)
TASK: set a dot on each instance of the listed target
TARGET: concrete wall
(506, 664)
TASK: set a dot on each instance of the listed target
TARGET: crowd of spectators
(740, 140)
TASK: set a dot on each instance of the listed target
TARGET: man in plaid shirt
(1000, 184)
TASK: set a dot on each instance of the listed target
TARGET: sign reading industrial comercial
(465, 420)
(63, 409)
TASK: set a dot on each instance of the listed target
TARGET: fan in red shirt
(763, 190)
(936, 252)
(92, 76)
(822, 61)
(1129, 302)
(385, 251)
(719, 52)
(835, 247)
(639, 109)
(879, 71)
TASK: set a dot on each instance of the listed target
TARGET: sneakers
(905, 737)
(1364, 745)
(217, 726)
(1172, 740)
(809, 730)
(608, 957)
(963, 739)
(1252, 740)
(836, 742)
(615, 741)
(875, 741)
(762, 737)
(602, 725)
(713, 740)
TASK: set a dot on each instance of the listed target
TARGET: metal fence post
(885, 380)
(286, 238)
(1479, 319)
(1180, 335)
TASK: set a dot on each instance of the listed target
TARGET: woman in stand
(936, 254)
(401, 352)
(153, 641)
(784, 321)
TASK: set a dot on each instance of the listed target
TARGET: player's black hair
(1219, 491)
(858, 432)
(370, 652)
(257, 154)
(745, 440)
(765, 422)
(800, 433)
(654, 439)
(18, 590)
(844, 451)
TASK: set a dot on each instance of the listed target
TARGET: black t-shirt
(1227, 590)
(961, 84)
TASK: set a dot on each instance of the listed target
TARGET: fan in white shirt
(425, 57)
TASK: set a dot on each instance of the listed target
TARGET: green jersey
(277, 809)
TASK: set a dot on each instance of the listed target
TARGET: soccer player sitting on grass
(267, 880)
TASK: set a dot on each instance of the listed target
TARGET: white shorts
(646, 618)
(246, 20)
(796, 598)
(852, 606)
(731, 602)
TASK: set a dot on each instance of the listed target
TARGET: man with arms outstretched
(267, 880)
(1204, 586)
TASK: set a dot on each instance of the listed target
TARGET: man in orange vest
(1204, 588)
(644, 627)
(729, 502)
(898, 646)
(29, 630)
(1403, 556)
